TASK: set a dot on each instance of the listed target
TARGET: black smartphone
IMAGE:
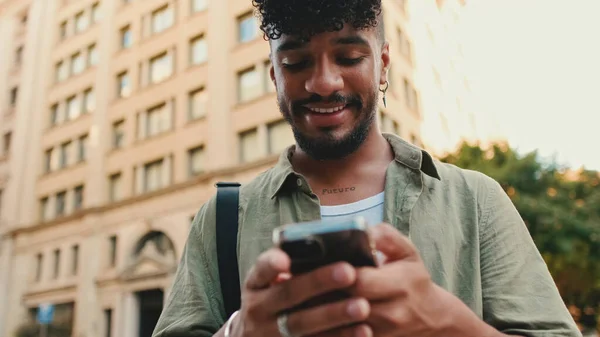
(318, 243)
(311, 245)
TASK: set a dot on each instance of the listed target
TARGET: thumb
(389, 241)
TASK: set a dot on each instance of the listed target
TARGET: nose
(325, 79)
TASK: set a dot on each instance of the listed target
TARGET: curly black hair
(305, 18)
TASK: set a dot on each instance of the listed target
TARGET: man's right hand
(267, 293)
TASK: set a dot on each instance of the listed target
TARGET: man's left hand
(405, 301)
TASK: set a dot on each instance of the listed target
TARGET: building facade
(117, 118)
(450, 113)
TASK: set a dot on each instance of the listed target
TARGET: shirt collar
(405, 153)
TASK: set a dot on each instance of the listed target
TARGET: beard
(327, 146)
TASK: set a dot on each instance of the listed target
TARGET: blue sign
(45, 313)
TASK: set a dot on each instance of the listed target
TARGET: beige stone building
(117, 118)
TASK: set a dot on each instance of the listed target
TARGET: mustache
(354, 100)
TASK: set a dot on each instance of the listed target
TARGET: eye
(345, 61)
(295, 66)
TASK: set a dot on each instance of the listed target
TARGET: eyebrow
(346, 40)
(349, 40)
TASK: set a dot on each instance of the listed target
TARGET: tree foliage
(561, 208)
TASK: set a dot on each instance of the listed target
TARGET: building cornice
(199, 180)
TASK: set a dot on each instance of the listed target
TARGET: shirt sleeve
(519, 295)
(194, 306)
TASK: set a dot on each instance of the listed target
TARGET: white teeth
(327, 111)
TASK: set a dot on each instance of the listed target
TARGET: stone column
(130, 315)
(139, 179)
(167, 171)
(221, 138)
(263, 140)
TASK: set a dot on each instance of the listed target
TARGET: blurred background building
(118, 116)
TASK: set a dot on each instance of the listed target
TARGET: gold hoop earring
(384, 90)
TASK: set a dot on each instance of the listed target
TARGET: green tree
(561, 209)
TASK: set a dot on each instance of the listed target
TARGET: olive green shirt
(468, 233)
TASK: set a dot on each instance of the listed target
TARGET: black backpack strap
(227, 230)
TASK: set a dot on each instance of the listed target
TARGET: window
(48, 160)
(118, 134)
(7, 141)
(196, 161)
(124, 85)
(158, 120)
(249, 147)
(198, 48)
(19, 56)
(60, 203)
(54, 115)
(113, 250)
(92, 55)
(114, 187)
(62, 71)
(56, 263)
(81, 22)
(198, 101)
(248, 85)
(63, 30)
(39, 263)
(73, 108)
(44, 209)
(160, 67)
(437, 78)
(162, 19)
(78, 197)
(14, 95)
(77, 64)
(96, 14)
(269, 86)
(396, 128)
(108, 322)
(199, 5)
(126, 37)
(64, 154)
(280, 137)
(89, 101)
(74, 259)
(402, 5)
(247, 28)
(404, 45)
(410, 95)
(153, 173)
(385, 122)
(82, 144)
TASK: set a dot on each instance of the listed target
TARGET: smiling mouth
(326, 110)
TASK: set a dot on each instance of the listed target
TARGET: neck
(374, 152)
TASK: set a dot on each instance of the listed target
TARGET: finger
(360, 330)
(302, 287)
(389, 241)
(385, 315)
(267, 268)
(281, 278)
(328, 317)
(385, 282)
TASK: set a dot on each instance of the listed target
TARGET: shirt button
(299, 182)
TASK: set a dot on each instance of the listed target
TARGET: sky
(535, 68)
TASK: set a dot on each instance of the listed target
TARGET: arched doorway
(152, 258)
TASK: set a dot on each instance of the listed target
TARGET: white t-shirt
(370, 208)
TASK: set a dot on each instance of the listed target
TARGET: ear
(272, 72)
(385, 63)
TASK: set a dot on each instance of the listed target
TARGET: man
(459, 260)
